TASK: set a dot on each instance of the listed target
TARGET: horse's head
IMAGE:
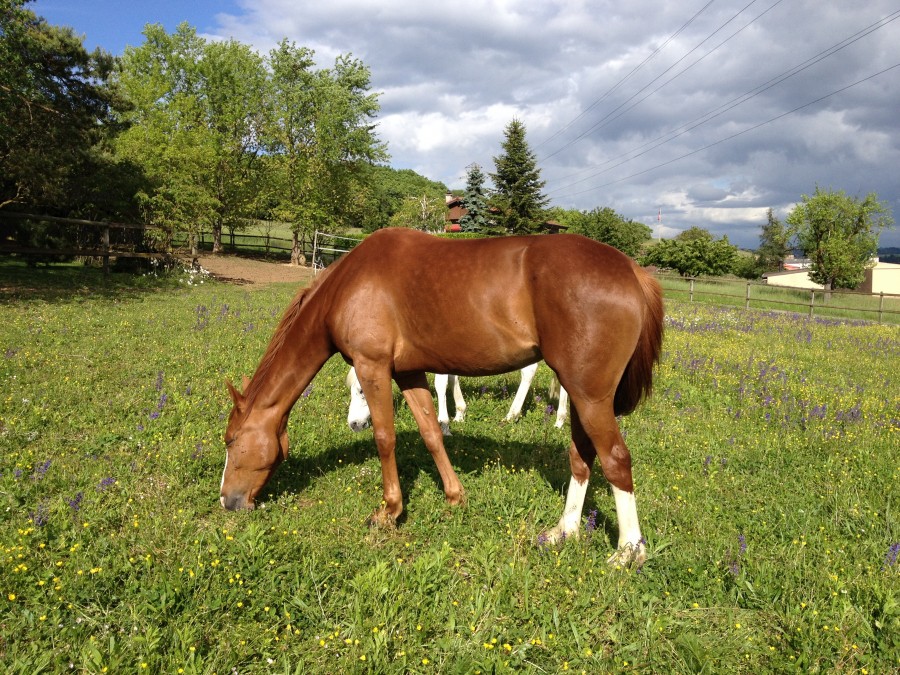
(358, 416)
(256, 443)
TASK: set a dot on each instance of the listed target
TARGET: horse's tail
(637, 380)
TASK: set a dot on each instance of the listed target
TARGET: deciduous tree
(607, 226)
(839, 234)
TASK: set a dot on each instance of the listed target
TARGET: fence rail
(838, 304)
(106, 249)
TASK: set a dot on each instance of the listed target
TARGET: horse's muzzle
(357, 426)
(237, 503)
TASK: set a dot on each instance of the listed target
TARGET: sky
(698, 113)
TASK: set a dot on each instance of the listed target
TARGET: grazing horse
(585, 308)
(358, 417)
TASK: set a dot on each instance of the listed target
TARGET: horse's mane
(280, 335)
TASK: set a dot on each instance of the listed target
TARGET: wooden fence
(837, 304)
(105, 249)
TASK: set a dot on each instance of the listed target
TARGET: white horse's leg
(527, 377)
(458, 400)
(562, 409)
(570, 520)
(358, 413)
(631, 549)
(440, 388)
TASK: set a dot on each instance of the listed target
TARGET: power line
(740, 133)
(733, 103)
(611, 116)
(627, 77)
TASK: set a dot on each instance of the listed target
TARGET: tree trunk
(217, 237)
(297, 257)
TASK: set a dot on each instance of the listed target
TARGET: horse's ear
(236, 396)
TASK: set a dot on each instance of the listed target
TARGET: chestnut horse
(585, 308)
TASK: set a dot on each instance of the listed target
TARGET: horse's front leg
(415, 390)
(379, 394)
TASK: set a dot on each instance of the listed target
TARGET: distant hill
(889, 254)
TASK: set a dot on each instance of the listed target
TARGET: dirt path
(251, 272)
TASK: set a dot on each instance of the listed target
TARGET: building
(456, 210)
(881, 278)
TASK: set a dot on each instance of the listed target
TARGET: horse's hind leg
(415, 390)
(601, 431)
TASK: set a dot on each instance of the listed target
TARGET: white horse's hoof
(556, 535)
(629, 555)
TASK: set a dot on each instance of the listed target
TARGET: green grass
(766, 466)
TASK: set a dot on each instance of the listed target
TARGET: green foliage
(839, 234)
(607, 226)
(477, 217)
(517, 183)
(55, 105)
(421, 213)
(391, 188)
(695, 255)
(765, 466)
(774, 244)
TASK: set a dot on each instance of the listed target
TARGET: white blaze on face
(222, 484)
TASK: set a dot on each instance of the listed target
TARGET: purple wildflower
(591, 524)
(891, 556)
(41, 515)
(75, 502)
(106, 482)
(308, 391)
(41, 471)
(742, 541)
(159, 381)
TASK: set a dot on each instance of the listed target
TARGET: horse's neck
(289, 366)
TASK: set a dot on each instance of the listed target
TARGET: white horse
(358, 414)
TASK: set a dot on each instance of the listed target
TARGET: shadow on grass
(63, 282)
(469, 454)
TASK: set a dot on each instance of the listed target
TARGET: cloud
(709, 113)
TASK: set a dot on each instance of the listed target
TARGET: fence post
(692, 290)
(812, 301)
(104, 237)
(881, 307)
(747, 303)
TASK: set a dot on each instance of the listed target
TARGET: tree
(839, 234)
(389, 190)
(517, 183)
(693, 257)
(607, 226)
(55, 109)
(774, 244)
(476, 218)
(421, 213)
(319, 130)
(195, 127)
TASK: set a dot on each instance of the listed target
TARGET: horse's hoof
(555, 536)
(628, 555)
(445, 428)
(382, 520)
(458, 499)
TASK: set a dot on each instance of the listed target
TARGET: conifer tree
(475, 202)
(518, 183)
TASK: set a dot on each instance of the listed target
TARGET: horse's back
(477, 306)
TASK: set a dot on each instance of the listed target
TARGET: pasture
(766, 468)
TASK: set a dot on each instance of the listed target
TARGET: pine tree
(475, 202)
(774, 244)
(518, 183)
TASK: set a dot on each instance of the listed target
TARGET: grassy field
(766, 465)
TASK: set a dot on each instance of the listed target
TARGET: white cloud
(453, 76)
